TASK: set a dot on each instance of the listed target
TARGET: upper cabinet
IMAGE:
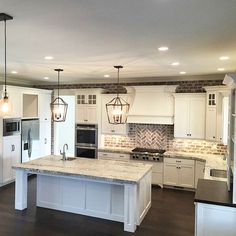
(87, 106)
(108, 128)
(189, 119)
(44, 106)
(217, 113)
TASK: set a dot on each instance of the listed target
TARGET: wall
(161, 137)
(153, 136)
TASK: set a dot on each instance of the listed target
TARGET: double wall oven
(86, 140)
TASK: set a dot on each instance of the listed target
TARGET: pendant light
(117, 109)
(58, 106)
(5, 104)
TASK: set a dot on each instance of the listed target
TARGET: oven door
(87, 152)
(86, 137)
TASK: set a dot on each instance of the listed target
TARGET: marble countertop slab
(105, 170)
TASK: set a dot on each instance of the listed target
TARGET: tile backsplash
(161, 136)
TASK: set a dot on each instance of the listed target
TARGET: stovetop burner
(148, 150)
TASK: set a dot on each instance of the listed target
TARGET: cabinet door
(211, 123)
(186, 176)
(91, 114)
(44, 107)
(181, 124)
(15, 97)
(197, 118)
(11, 156)
(81, 114)
(199, 171)
(7, 160)
(16, 152)
(45, 138)
(170, 174)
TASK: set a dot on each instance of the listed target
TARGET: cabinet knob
(112, 130)
(213, 137)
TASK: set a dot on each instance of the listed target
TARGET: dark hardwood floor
(171, 214)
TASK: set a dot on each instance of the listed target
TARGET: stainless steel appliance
(30, 143)
(86, 140)
(11, 126)
(147, 154)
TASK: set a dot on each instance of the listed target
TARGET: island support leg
(21, 189)
(130, 207)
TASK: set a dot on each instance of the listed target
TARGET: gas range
(147, 154)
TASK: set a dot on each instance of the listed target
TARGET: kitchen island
(107, 189)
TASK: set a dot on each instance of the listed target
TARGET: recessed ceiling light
(48, 57)
(224, 58)
(182, 72)
(46, 78)
(175, 63)
(106, 76)
(221, 69)
(14, 72)
(163, 49)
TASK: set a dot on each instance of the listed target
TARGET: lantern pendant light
(117, 109)
(58, 106)
(5, 104)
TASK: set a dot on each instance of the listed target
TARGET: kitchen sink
(218, 173)
(70, 158)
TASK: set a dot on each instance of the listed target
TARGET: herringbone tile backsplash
(161, 136)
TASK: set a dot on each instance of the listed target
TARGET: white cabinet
(11, 155)
(113, 156)
(217, 113)
(199, 171)
(44, 106)
(157, 173)
(15, 97)
(107, 128)
(86, 107)
(45, 138)
(189, 116)
(179, 172)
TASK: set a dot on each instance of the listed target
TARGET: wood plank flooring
(171, 214)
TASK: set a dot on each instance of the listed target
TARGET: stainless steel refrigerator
(30, 142)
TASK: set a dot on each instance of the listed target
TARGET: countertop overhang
(103, 170)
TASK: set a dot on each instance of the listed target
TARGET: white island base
(122, 202)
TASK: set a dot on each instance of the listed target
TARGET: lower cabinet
(11, 155)
(114, 156)
(157, 173)
(199, 171)
(179, 172)
(45, 138)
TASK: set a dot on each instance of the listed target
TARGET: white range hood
(152, 105)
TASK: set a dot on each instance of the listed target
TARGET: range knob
(144, 158)
(154, 158)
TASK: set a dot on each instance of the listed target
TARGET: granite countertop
(115, 150)
(185, 155)
(213, 192)
(106, 170)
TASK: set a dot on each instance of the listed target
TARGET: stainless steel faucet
(64, 157)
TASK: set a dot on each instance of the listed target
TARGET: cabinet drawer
(179, 161)
(105, 154)
(121, 155)
(157, 167)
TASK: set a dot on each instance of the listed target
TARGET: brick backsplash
(162, 137)
(191, 86)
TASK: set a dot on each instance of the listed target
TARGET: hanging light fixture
(58, 106)
(117, 109)
(5, 104)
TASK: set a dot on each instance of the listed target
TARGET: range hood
(152, 105)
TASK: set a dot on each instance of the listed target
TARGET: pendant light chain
(58, 77)
(5, 74)
(118, 81)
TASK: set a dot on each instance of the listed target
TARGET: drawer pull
(178, 161)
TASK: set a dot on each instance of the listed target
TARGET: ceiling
(88, 37)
